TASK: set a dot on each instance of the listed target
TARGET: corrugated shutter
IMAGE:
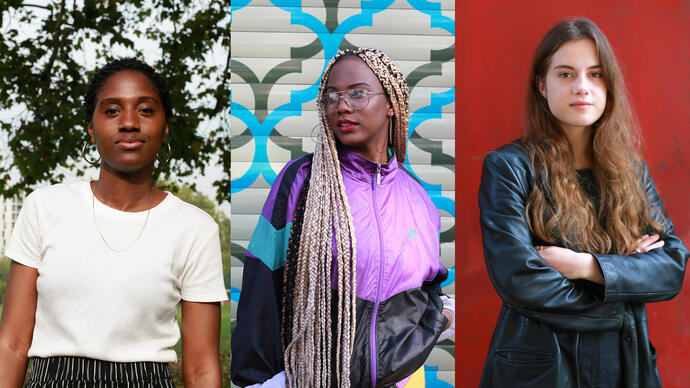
(279, 51)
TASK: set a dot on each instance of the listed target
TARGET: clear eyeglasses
(356, 99)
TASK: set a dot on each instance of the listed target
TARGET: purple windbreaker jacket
(399, 310)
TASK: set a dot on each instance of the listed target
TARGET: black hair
(116, 66)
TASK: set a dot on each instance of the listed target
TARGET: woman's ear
(541, 86)
(90, 131)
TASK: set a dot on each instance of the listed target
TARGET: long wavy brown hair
(558, 208)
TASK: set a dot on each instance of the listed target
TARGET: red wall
(495, 40)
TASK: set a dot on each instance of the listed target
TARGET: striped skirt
(81, 372)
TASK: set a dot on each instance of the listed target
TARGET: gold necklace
(98, 229)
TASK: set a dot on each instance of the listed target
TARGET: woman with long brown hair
(575, 237)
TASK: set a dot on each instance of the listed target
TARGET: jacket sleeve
(256, 345)
(647, 277)
(256, 348)
(522, 279)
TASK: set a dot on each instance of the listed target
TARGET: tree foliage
(45, 48)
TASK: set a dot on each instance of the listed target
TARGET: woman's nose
(581, 85)
(129, 120)
(343, 105)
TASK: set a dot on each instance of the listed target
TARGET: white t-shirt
(97, 303)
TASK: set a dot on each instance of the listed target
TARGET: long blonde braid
(324, 213)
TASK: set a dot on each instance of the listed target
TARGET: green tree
(43, 80)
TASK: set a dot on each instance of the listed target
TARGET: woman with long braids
(575, 237)
(341, 282)
(99, 268)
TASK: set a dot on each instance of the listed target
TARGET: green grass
(224, 349)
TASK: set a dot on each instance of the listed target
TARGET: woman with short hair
(99, 268)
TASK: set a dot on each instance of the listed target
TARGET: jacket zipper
(372, 330)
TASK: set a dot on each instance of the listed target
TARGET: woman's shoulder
(507, 167)
(192, 215)
(510, 156)
(510, 151)
(297, 166)
(293, 174)
(60, 192)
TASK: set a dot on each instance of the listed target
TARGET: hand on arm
(200, 342)
(17, 326)
(645, 244)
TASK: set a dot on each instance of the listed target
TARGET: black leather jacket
(535, 340)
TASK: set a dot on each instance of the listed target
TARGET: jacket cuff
(611, 280)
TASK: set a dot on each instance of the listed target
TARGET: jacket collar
(363, 169)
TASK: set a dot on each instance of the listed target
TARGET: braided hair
(313, 354)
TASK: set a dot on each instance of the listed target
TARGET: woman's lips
(129, 143)
(345, 125)
(581, 105)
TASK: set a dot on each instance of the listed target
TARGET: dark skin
(363, 131)
(128, 127)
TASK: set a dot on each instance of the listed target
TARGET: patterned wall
(279, 51)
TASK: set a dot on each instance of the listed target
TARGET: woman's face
(574, 85)
(364, 130)
(128, 123)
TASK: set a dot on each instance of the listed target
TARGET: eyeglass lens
(356, 99)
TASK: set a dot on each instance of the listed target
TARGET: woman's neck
(581, 142)
(127, 192)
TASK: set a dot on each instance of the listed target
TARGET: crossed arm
(539, 282)
(581, 265)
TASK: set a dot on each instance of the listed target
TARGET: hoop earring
(83, 155)
(390, 130)
(163, 163)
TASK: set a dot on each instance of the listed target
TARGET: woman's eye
(110, 111)
(358, 93)
(146, 110)
(565, 75)
(331, 98)
(596, 74)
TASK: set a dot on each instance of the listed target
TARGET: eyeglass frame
(341, 95)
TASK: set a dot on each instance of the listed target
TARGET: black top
(598, 352)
